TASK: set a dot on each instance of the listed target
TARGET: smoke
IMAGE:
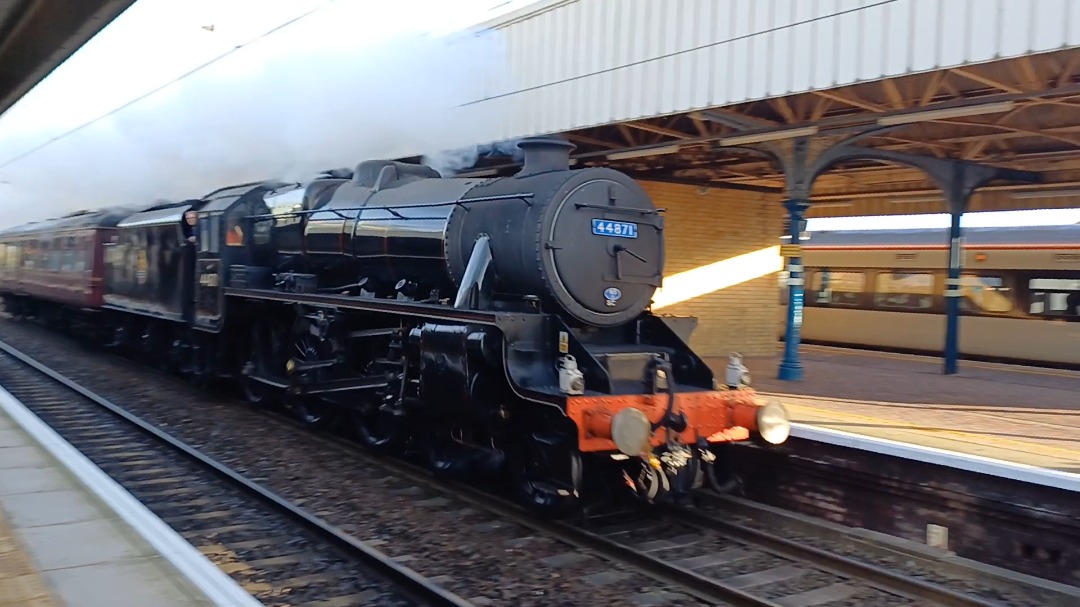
(316, 95)
(450, 162)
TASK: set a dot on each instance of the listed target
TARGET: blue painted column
(953, 295)
(791, 368)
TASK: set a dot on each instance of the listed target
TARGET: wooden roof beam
(781, 106)
(963, 73)
(659, 130)
(849, 100)
(892, 92)
(933, 87)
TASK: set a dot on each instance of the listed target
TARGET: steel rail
(404, 579)
(890, 581)
(695, 584)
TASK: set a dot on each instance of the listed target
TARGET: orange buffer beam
(719, 416)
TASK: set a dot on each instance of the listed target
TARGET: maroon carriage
(56, 263)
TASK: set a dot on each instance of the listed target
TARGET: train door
(208, 297)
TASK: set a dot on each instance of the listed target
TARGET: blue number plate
(622, 229)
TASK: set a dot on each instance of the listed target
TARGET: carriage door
(208, 296)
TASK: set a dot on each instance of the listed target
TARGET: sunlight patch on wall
(706, 279)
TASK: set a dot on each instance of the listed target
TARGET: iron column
(953, 293)
(791, 368)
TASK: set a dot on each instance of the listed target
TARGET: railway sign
(790, 250)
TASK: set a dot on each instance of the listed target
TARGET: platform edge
(1057, 479)
(207, 578)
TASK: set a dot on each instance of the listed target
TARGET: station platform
(987, 413)
(66, 544)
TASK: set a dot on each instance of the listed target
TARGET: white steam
(450, 162)
(313, 96)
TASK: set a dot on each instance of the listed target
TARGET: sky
(322, 92)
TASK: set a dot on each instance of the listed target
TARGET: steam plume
(318, 97)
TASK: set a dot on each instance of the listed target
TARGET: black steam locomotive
(483, 325)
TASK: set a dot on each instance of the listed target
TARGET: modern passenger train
(885, 289)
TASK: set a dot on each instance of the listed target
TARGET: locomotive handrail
(393, 208)
(613, 209)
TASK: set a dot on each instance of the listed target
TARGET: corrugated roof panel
(761, 20)
(925, 28)
(953, 28)
(1072, 21)
(983, 33)
(578, 64)
(1017, 25)
(801, 51)
(1049, 33)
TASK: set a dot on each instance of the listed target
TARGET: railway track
(682, 556)
(277, 551)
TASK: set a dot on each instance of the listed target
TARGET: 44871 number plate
(621, 229)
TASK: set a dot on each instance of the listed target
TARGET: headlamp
(630, 429)
(772, 422)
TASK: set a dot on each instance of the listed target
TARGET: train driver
(191, 226)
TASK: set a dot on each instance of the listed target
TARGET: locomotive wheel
(202, 365)
(260, 346)
(547, 472)
(306, 347)
(311, 414)
(441, 452)
(380, 428)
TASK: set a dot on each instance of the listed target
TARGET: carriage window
(985, 294)
(908, 290)
(838, 288)
(1054, 297)
(215, 234)
(204, 234)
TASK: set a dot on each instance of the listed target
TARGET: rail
(407, 581)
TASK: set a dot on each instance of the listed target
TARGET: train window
(1054, 297)
(909, 290)
(831, 288)
(985, 294)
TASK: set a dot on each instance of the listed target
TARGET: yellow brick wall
(707, 225)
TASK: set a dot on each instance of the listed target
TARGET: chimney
(544, 154)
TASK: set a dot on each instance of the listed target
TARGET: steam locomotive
(496, 325)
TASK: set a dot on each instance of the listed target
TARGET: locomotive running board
(391, 306)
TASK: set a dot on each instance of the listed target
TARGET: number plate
(621, 229)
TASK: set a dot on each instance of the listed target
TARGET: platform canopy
(36, 36)
(678, 91)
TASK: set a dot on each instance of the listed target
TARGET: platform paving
(60, 546)
(1017, 414)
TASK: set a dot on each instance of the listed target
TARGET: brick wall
(704, 226)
